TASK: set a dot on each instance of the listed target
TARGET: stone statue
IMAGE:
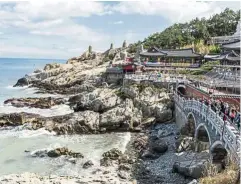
(124, 45)
(111, 46)
(139, 49)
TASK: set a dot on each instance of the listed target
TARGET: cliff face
(98, 106)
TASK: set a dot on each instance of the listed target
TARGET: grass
(229, 176)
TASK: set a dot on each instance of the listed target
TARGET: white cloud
(118, 22)
(177, 11)
(45, 28)
(1, 33)
(44, 25)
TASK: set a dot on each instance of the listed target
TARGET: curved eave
(151, 54)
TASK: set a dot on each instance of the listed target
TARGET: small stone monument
(111, 46)
(124, 45)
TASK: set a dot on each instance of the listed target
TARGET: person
(232, 115)
(237, 120)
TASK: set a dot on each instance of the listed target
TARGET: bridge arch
(190, 125)
(218, 153)
(202, 138)
(181, 88)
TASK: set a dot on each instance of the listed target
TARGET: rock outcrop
(57, 152)
(191, 164)
(42, 103)
(64, 151)
(22, 82)
(99, 100)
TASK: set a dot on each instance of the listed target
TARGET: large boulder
(159, 146)
(191, 164)
(22, 82)
(123, 117)
(16, 119)
(101, 99)
(64, 151)
(185, 144)
(78, 122)
(162, 113)
(113, 154)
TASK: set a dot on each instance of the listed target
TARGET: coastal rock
(88, 164)
(159, 146)
(22, 82)
(124, 167)
(99, 100)
(149, 155)
(185, 144)
(123, 117)
(140, 143)
(16, 119)
(113, 154)
(42, 103)
(191, 164)
(106, 162)
(78, 122)
(123, 175)
(64, 151)
(40, 153)
(51, 66)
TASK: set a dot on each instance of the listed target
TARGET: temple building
(230, 54)
(185, 58)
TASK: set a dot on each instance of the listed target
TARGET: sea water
(15, 141)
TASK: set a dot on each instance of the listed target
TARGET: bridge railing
(154, 78)
(228, 133)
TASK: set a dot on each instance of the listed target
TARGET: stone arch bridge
(221, 137)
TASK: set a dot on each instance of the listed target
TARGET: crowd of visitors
(228, 113)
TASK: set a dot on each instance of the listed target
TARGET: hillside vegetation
(194, 33)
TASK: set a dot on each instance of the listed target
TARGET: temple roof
(153, 51)
(233, 45)
(181, 53)
(152, 54)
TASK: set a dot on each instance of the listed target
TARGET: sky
(64, 29)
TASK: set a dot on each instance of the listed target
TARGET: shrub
(229, 176)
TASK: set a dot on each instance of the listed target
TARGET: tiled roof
(181, 53)
(233, 45)
(172, 53)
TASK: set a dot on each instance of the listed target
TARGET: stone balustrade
(229, 135)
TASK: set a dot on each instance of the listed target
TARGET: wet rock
(88, 164)
(16, 119)
(149, 155)
(141, 143)
(159, 146)
(22, 82)
(124, 167)
(42, 103)
(125, 159)
(64, 151)
(40, 153)
(113, 154)
(193, 182)
(106, 162)
(123, 175)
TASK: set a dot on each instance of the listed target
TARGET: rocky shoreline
(102, 107)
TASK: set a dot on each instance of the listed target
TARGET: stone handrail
(229, 135)
(153, 77)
